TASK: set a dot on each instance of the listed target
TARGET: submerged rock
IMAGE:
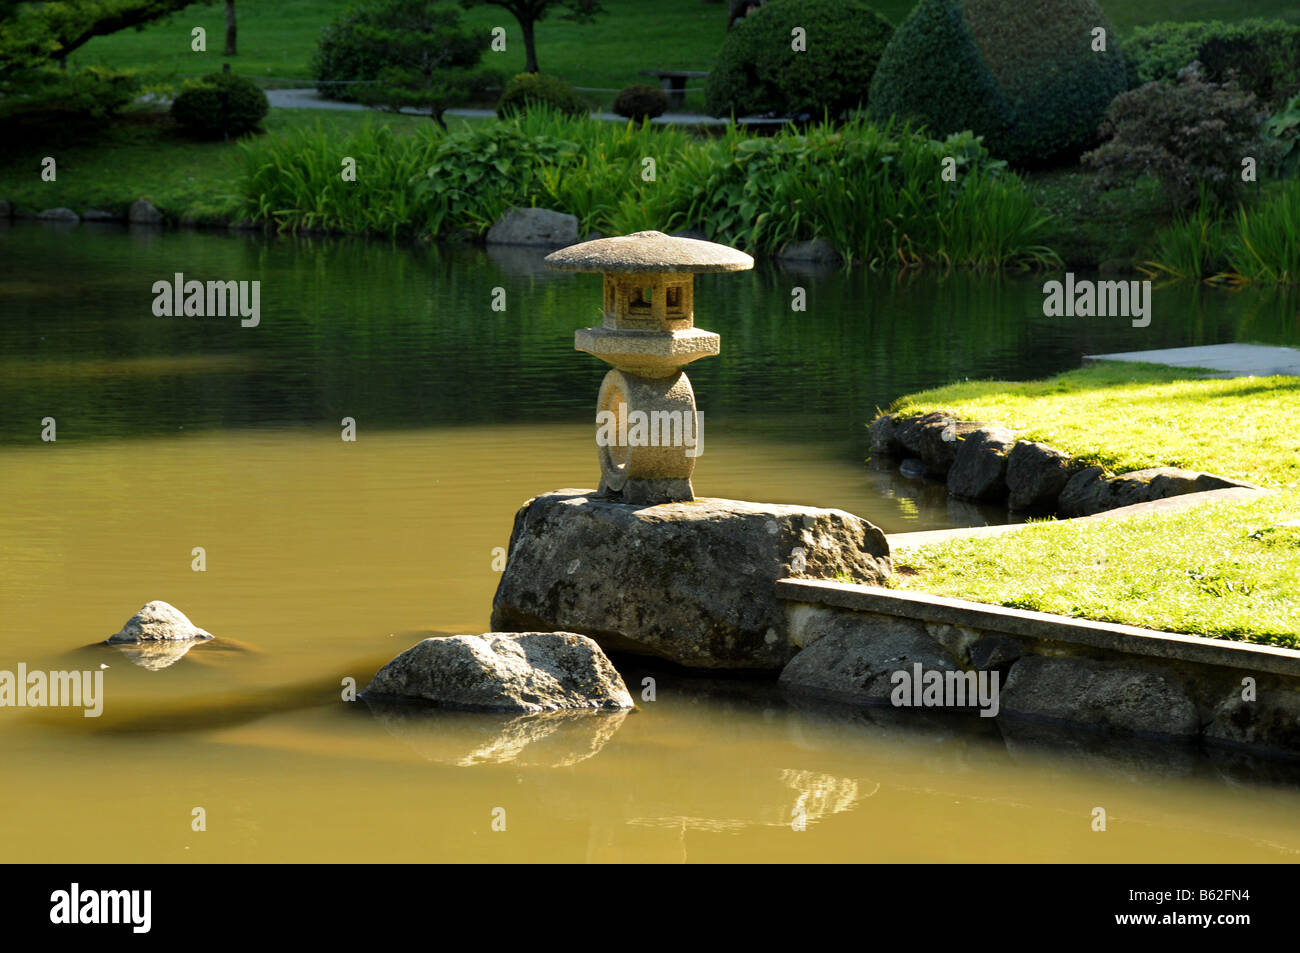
(497, 671)
(158, 622)
(694, 583)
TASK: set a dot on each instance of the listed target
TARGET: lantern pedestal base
(647, 437)
(649, 492)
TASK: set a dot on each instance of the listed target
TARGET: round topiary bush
(529, 89)
(759, 69)
(1023, 76)
(342, 58)
(641, 102)
(222, 104)
(359, 47)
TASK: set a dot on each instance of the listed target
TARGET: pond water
(324, 558)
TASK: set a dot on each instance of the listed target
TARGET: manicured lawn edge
(1221, 570)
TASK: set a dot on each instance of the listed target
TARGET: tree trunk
(230, 27)
(530, 46)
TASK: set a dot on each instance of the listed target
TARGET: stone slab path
(1228, 360)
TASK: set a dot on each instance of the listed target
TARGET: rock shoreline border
(988, 463)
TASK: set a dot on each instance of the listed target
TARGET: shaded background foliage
(1024, 76)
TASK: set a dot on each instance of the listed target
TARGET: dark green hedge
(1265, 54)
(757, 70)
(1021, 74)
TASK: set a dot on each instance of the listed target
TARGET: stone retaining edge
(1109, 636)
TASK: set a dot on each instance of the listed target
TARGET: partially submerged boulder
(59, 215)
(533, 226)
(694, 583)
(979, 470)
(144, 212)
(935, 438)
(1036, 475)
(856, 656)
(1110, 696)
(158, 621)
(499, 671)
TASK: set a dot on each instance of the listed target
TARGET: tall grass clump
(1192, 245)
(295, 181)
(878, 194)
(1267, 244)
(1260, 244)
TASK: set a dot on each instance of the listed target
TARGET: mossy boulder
(1025, 76)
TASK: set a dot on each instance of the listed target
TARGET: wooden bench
(673, 82)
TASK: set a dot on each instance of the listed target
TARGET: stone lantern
(647, 431)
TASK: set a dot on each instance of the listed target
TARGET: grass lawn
(1228, 570)
(142, 155)
(277, 37)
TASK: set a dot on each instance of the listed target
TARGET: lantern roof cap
(648, 253)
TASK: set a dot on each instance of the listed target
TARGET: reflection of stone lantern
(647, 431)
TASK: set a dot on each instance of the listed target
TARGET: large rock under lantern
(693, 582)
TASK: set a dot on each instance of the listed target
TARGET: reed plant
(880, 194)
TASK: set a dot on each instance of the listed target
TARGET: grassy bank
(1132, 416)
(1225, 570)
(143, 155)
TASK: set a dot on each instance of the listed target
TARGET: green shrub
(220, 105)
(640, 102)
(1282, 134)
(531, 89)
(1022, 75)
(757, 69)
(1191, 136)
(875, 192)
(1264, 54)
(375, 39)
(91, 92)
